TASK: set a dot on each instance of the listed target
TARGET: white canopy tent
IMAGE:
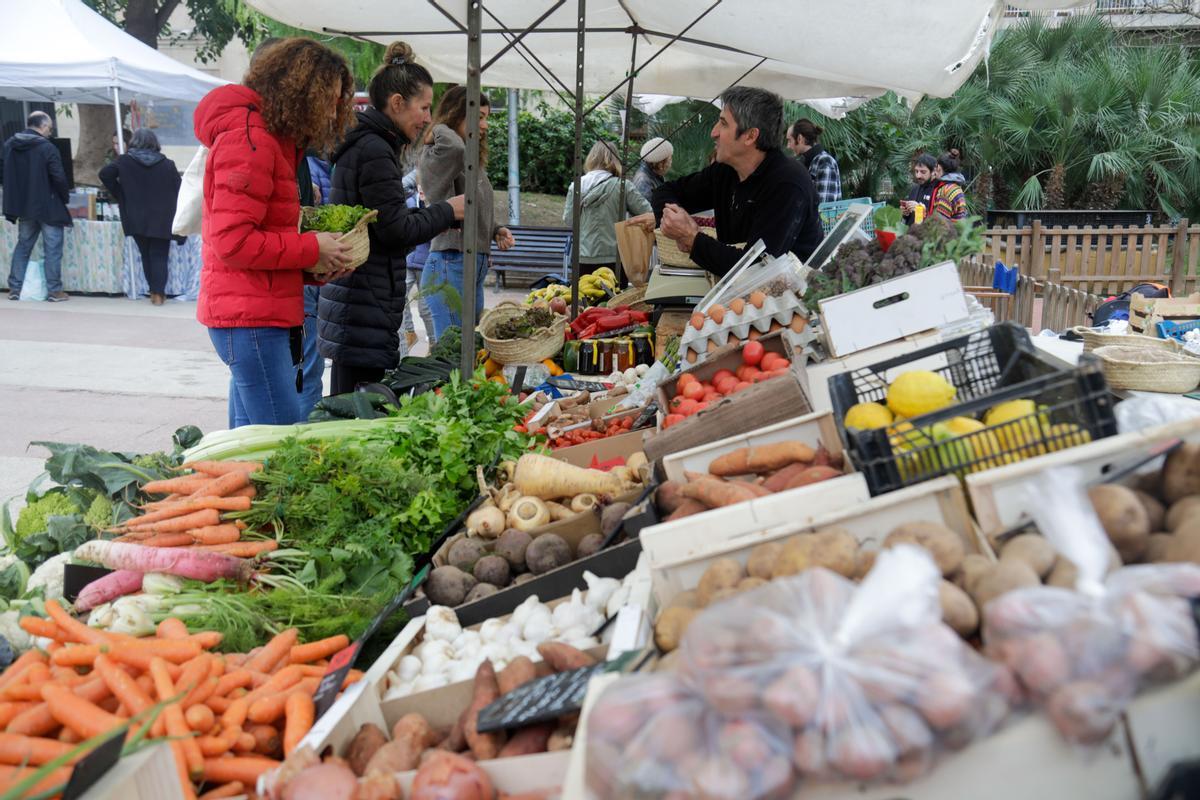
(60, 51)
(833, 55)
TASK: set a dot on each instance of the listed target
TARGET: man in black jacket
(755, 191)
(35, 197)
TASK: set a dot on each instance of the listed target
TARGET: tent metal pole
(580, 36)
(514, 160)
(625, 143)
(471, 191)
(116, 94)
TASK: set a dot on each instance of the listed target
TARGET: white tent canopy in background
(61, 51)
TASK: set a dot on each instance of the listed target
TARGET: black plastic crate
(1070, 407)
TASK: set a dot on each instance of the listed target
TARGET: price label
(94, 766)
(78, 576)
(331, 682)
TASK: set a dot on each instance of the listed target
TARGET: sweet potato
(564, 658)
(520, 670)
(363, 747)
(487, 691)
(529, 740)
(779, 479)
(687, 508)
(446, 775)
(714, 493)
(456, 740)
(812, 475)
(411, 737)
(668, 497)
(762, 458)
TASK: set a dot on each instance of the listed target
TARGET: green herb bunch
(331, 218)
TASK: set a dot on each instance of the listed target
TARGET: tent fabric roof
(842, 52)
(61, 51)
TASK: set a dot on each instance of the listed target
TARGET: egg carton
(779, 310)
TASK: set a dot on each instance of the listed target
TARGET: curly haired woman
(298, 94)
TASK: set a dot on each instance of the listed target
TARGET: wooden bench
(540, 251)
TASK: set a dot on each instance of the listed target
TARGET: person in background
(35, 197)
(415, 262)
(319, 176)
(656, 155)
(755, 191)
(296, 95)
(923, 167)
(804, 140)
(441, 167)
(601, 187)
(145, 184)
(948, 198)
(312, 363)
(126, 137)
(360, 316)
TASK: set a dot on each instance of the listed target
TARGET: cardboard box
(817, 374)
(678, 560)
(874, 315)
(730, 358)
(621, 446)
(1146, 312)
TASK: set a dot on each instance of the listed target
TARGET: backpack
(1117, 307)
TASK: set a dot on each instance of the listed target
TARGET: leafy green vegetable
(890, 219)
(13, 579)
(332, 218)
(34, 517)
(101, 470)
(524, 326)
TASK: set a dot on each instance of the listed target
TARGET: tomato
(675, 401)
(743, 372)
(741, 385)
(752, 353)
(702, 406)
(721, 375)
(762, 376)
(683, 381)
(768, 361)
(726, 384)
(709, 397)
(775, 373)
(688, 407)
(693, 391)
(672, 419)
(782, 363)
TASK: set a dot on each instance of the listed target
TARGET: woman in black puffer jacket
(359, 317)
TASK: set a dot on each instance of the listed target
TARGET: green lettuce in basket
(331, 218)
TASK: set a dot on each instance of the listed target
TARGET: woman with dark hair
(297, 94)
(804, 140)
(360, 316)
(145, 184)
(949, 198)
(442, 170)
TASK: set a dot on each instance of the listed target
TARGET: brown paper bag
(634, 243)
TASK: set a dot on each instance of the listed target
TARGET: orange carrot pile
(228, 717)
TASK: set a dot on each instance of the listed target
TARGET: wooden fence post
(1180, 265)
(1037, 247)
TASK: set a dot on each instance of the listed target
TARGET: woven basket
(669, 252)
(358, 239)
(544, 343)
(1149, 369)
(634, 297)
(1092, 340)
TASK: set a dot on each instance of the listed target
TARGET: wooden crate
(817, 374)
(146, 775)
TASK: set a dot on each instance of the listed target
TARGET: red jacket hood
(227, 108)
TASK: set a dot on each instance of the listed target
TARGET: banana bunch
(596, 284)
(549, 293)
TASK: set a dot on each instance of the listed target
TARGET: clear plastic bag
(847, 682)
(1139, 413)
(1082, 653)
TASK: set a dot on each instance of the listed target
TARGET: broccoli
(332, 218)
(100, 513)
(34, 517)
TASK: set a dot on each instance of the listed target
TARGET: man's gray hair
(37, 119)
(756, 108)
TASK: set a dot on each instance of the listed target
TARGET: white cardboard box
(817, 374)
(1164, 726)
(927, 298)
(146, 775)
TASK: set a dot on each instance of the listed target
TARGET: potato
(943, 544)
(958, 610)
(865, 563)
(1032, 549)
(862, 753)
(974, 566)
(794, 557)
(724, 573)
(1041, 663)
(1185, 546)
(1124, 519)
(1181, 473)
(1182, 511)
(749, 584)
(686, 599)
(835, 549)
(511, 546)
(730, 693)
(672, 624)
(1158, 548)
(448, 586)
(746, 743)
(363, 746)
(1001, 578)
(1155, 510)
(945, 699)
(547, 552)
(1083, 712)
(761, 563)
(808, 753)
(721, 595)
(465, 552)
(328, 781)
(792, 697)
(493, 570)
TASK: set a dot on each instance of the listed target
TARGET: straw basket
(669, 252)
(358, 239)
(1092, 340)
(634, 297)
(1149, 369)
(543, 344)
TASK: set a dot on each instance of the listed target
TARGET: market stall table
(99, 259)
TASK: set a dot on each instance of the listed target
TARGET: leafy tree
(546, 149)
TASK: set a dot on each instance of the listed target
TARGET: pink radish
(110, 587)
(200, 565)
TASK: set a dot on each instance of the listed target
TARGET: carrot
(10, 710)
(286, 678)
(243, 549)
(38, 721)
(266, 710)
(267, 740)
(201, 693)
(216, 534)
(183, 507)
(207, 639)
(299, 714)
(79, 656)
(56, 779)
(17, 669)
(231, 789)
(122, 686)
(237, 679)
(74, 630)
(176, 725)
(323, 648)
(200, 718)
(171, 628)
(312, 670)
(169, 540)
(245, 491)
(68, 736)
(18, 750)
(36, 626)
(218, 704)
(761, 458)
(25, 692)
(85, 718)
(211, 746)
(274, 651)
(219, 487)
(140, 653)
(184, 484)
(241, 768)
(178, 523)
(235, 717)
(218, 468)
(353, 676)
(67, 676)
(245, 743)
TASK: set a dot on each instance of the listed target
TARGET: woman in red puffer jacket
(297, 95)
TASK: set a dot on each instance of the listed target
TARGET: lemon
(1021, 428)
(868, 416)
(919, 392)
(978, 452)
(905, 439)
(1065, 435)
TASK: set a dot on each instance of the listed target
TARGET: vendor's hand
(907, 206)
(678, 225)
(334, 254)
(457, 203)
(645, 221)
(504, 239)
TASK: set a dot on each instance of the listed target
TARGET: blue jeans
(446, 267)
(52, 247)
(262, 390)
(313, 364)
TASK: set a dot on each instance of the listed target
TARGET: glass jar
(643, 349)
(589, 357)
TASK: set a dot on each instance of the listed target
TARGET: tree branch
(164, 12)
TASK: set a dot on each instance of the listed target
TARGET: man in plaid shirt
(804, 139)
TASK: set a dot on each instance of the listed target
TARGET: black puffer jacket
(146, 184)
(359, 316)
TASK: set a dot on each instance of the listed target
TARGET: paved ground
(111, 372)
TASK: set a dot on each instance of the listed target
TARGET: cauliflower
(100, 513)
(12, 631)
(33, 517)
(49, 576)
